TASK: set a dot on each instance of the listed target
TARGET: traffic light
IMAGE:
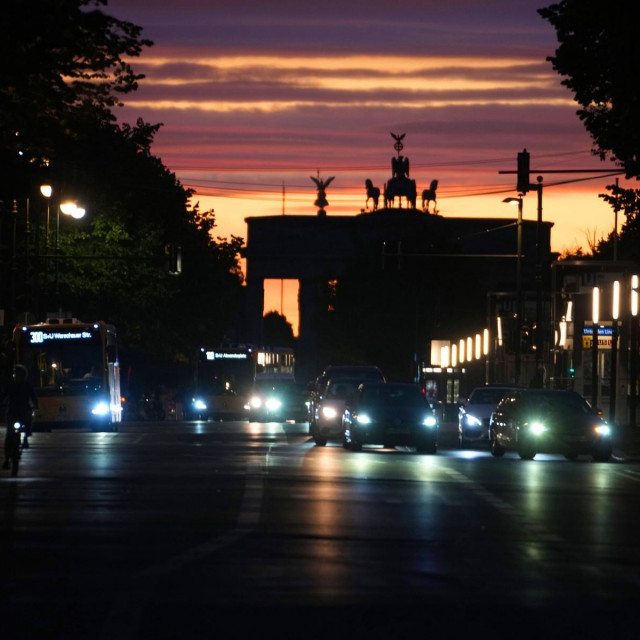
(523, 172)
(526, 339)
(572, 373)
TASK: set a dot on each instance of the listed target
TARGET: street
(237, 529)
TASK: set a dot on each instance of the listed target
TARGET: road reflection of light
(601, 508)
(102, 457)
(602, 476)
(327, 517)
(534, 476)
(269, 428)
(255, 428)
(364, 461)
(327, 461)
(471, 455)
(534, 551)
(427, 462)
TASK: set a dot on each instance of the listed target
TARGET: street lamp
(615, 314)
(46, 190)
(595, 318)
(68, 208)
(633, 365)
(518, 201)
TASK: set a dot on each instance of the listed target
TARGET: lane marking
(123, 620)
(533, 529)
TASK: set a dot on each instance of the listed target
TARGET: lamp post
(595, 318)
(633, 368)
(68, 208)
(47, 191)
(615, 312)
(518, 201)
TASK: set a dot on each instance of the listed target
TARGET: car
(390, 414)
(475, 412)
(277, 400)
(532, 421)
(333, 371)
(328, 409)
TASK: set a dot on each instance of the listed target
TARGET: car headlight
(430, 421)
(472, 421)
(255, 402)
(200, 405)
(602, 430)
(273, 404)
(537, 428)
(363, 418)
(329, 412)
(100, 409)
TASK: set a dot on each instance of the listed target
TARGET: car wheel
(319, 440)
(354, 445)
(601, 454)
(495, 447)
(427, 447)
(526, 451)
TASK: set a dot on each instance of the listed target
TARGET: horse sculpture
(373, 193)
(397, 187)
(429, 195)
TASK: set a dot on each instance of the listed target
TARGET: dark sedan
(532, 421)
(390, 414)
(276, 400)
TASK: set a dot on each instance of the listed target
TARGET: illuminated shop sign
(605, 337)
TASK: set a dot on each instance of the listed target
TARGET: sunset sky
(256, 97)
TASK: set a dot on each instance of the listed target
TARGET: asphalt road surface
(247, 530)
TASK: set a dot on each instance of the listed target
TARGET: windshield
(546, 403)
(221, 372)
(69, 358)
(487, 395)
(341, 389)
(405, 395)
(276, 386)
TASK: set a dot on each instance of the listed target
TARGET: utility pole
(523, 185)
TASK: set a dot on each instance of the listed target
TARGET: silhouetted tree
(277, 331)
(60, 62)
(599, 57)
(64, 67)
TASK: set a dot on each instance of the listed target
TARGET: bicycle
(13, 446)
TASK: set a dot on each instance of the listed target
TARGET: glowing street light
(68, 208)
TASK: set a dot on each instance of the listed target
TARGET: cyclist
(21, 401)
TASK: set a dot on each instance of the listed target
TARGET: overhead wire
(245, 189)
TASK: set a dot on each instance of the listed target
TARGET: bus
(73, 367)
(225, 377)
